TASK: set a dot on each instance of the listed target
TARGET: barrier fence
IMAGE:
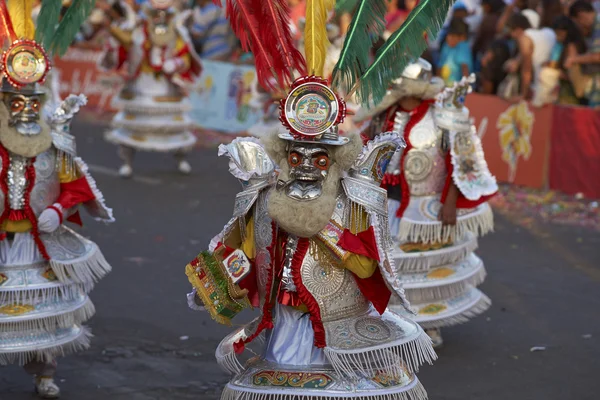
(556, 147)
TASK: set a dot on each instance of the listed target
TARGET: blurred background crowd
(546, 51)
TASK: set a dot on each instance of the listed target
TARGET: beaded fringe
(479, 224)
(51, 294)
(80, 343)
(438, 293)
(412, 354)
(50, 323)
(416, 392)
(478, 308)
(424, 261)
(92, 269)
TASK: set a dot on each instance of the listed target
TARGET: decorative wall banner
(517, 139)
(575, 154)
(221, 100)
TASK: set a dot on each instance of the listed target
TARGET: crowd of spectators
(546, 51)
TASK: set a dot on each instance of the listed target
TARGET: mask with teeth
(24, 111)
(309, 165)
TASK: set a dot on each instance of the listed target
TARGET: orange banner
(516, 138)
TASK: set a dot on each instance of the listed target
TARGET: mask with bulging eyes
(24, 112)
(160, 22)
(309, 165)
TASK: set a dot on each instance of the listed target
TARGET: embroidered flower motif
(432, 309)
(16, 309)
(515, 125)
(49, 274)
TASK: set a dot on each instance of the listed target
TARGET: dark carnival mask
(309, 164)
(24, 111)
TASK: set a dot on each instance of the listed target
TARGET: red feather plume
(275, 33)
(245, 25)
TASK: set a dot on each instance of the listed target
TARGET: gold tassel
(20, 15)
(315, 35)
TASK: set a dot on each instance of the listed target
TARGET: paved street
(544, 282)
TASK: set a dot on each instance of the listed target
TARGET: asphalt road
(544, 282)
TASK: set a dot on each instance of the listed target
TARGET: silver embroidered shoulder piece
(470, 173)
(252, 166)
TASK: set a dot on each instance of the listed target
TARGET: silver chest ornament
(333, 287)
(424, 164)
(46, 187)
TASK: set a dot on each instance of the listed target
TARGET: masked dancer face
(309, 165)
(24, 112)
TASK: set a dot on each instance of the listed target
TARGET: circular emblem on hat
(25, 62)
(311, 108)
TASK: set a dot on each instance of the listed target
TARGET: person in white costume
(161, 65)
(438, 187)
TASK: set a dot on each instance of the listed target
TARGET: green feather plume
(77, 13)
(345, 6)
(365, 29)
(47, 21)
(403, 47)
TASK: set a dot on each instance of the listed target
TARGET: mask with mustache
(24, 111)
(309, 166)
(23, 132)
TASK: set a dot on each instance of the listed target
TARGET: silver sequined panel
(47, 185)
(334, 288)
(424, 165)
(46, 188)
(263, 236)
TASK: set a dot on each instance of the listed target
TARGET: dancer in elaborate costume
(309, 242)
(161, 66)
(438, 188)
(46, 269)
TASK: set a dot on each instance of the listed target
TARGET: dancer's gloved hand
(51, 218)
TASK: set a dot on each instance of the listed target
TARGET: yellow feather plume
(20, 14)
(315, 35)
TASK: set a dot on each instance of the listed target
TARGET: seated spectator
(492, 67)
(455, 59)
(534, 48)
(210, 31)
(492, 10)
(588, 21)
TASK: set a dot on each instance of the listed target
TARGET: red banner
(517, 138)
(78, 73)
(575, 155)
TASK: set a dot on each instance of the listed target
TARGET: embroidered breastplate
(424, 164)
